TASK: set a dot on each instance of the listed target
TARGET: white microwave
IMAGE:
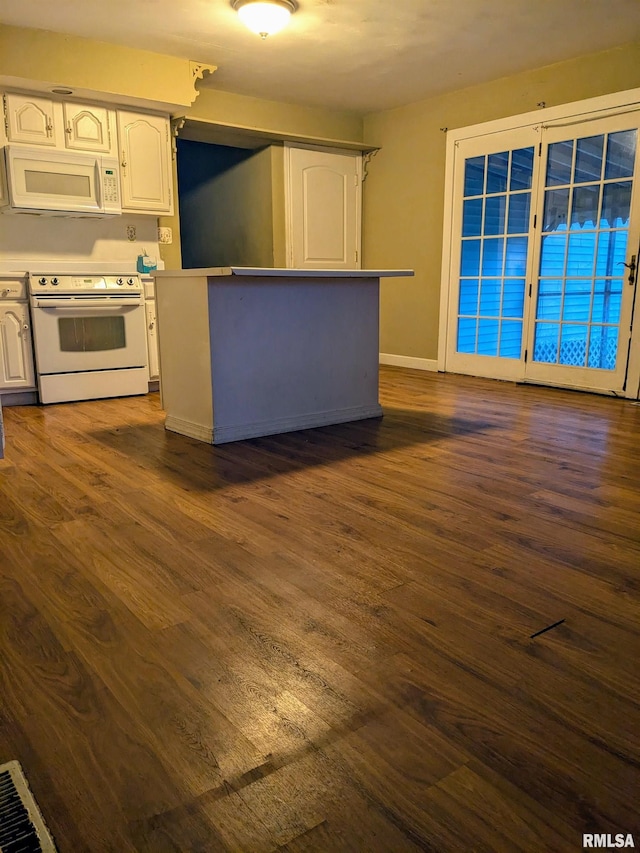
(61, 182)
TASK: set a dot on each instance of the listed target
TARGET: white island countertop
(221, 272)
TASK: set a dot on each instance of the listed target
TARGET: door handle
(632, 267)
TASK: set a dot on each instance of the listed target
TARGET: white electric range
(89, 335)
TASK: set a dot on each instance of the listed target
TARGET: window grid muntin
(592, 327)
(503, 322)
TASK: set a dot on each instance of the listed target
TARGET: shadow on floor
(195, 465)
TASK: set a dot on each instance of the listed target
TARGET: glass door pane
(492, 219)
(583, 303)
(493, 257)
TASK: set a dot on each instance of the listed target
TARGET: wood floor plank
(494, 820)
(74, 722)
(188, 734)
(510, 736)
(546, 679)
(326, 640)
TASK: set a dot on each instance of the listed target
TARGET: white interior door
(324, 190)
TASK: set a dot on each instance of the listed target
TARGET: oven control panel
(43, 283)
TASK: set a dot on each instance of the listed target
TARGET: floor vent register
(22, 828)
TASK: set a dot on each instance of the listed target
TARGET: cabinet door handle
(124, 163)
(49, 127)
(25, 327)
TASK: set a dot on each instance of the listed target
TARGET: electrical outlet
(131, 233)
(165, 235)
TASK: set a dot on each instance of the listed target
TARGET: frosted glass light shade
(264, 17)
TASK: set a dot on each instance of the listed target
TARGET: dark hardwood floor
(331, 640)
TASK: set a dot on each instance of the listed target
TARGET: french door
(545, 232)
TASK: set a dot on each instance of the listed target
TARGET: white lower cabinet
(16, 354)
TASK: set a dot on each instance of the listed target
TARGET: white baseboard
(291, 424)
(409, 361)
(188, 428)
(237, 432)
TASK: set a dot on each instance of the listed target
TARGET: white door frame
(601, 106)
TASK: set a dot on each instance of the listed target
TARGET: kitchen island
(246, 352)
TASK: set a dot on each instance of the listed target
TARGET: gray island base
(249, 352)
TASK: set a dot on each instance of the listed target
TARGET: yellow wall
(123, 74)
(276, 116)
(404, 191)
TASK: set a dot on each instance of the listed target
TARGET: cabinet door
(4, 195)
(86, 128)
(30, 119)
(323, 208)
(16, 358)
(145, 162)
(152, 340)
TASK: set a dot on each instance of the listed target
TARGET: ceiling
(363, 55)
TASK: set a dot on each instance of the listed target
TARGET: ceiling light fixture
(264, 17)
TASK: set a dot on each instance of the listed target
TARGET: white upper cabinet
(324, 200)
(88, 128)
(145, 162)
(140, 141)
(31, 119)
(37, 120)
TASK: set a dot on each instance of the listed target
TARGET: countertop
(222, 272)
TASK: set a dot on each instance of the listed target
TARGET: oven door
(72, 336)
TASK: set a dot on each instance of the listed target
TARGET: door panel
(16, 362)
(87, 128)
(489, 272)
(324, 209)
(145, 162)
(580, 322)
(30, 120)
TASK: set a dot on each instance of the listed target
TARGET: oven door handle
(80, 304)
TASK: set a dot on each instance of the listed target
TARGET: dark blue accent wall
(200, 165)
